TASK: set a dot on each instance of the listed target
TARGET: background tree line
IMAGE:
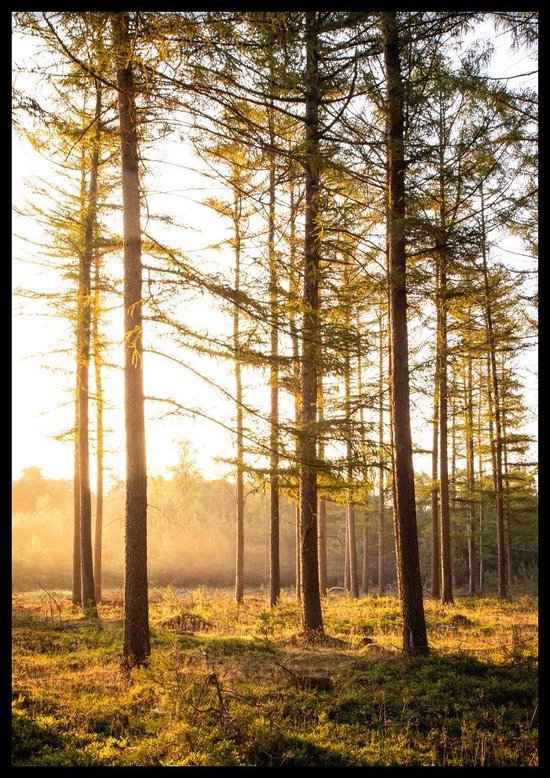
(189, 516)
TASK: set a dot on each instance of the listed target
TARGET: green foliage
(248, 692)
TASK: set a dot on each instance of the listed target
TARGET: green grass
(243, 689)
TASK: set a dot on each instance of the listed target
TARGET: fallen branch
(54, 600)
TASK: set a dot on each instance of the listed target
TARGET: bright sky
(42, 402)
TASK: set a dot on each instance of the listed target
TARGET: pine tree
(137, 647)
(414, 626)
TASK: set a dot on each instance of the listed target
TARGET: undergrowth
(235, 685)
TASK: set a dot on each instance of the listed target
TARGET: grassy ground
(234, 685)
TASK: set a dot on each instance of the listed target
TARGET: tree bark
(136, 647)
(312, 621)
(381, 505)
(85, 326)
(350, 507)
(470, 476)
(436, 556)
(97, 359)
(275, 575)
(239, 559)
(365, 579)
(441, 294)
(366, 570)
(77, 542)
(496, 412)
(395, 522)
(294, 337)
(98, 539)
(445, 519)
(506, 506)
(322, 505)
(77, 575)
(414, 626)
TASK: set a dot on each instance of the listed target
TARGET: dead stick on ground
(54, 600)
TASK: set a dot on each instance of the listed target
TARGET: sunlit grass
(233, 684)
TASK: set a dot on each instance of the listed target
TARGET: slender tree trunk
(85, 319)
(350, 507)
(352, 551)
(365, 579)
(275, 575)
(77, 541)
(322, 505)
(312, 620)
(294, 291)
(445, 519)
(381, 506)
(322, 518)
(398, 568)
(298, 565)
(365, 572)
(436, 556)
(414, 625)
(395, 522)
(497, 475)
(97, 358)
(137, 647)
(347, 577)
(395, 514)
(481, 549)
(507, 511)
(470, 476)
(77, 575)
(98, 539)
(239, 561)
(77, 551)
(452, 480)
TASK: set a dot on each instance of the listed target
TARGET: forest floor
(231, 685)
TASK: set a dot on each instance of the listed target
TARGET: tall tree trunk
(294, 337)
(496, 413)
(381, 506)
(77, 575)
(436, 556)
(312, 620)
(365, 572)
(85, 318)
(137, 647)
(470, 476)
(350, 507)
(239, 560)
(506, 501)
(445, 519)
(396, 542)
(275, 575)
(98, 539)
(321, 504)
(481, 549)
(97, 359)
(414, 625)
(77, 542)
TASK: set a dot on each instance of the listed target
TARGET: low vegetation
(231, 685)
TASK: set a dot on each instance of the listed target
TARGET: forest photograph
(274, 389)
